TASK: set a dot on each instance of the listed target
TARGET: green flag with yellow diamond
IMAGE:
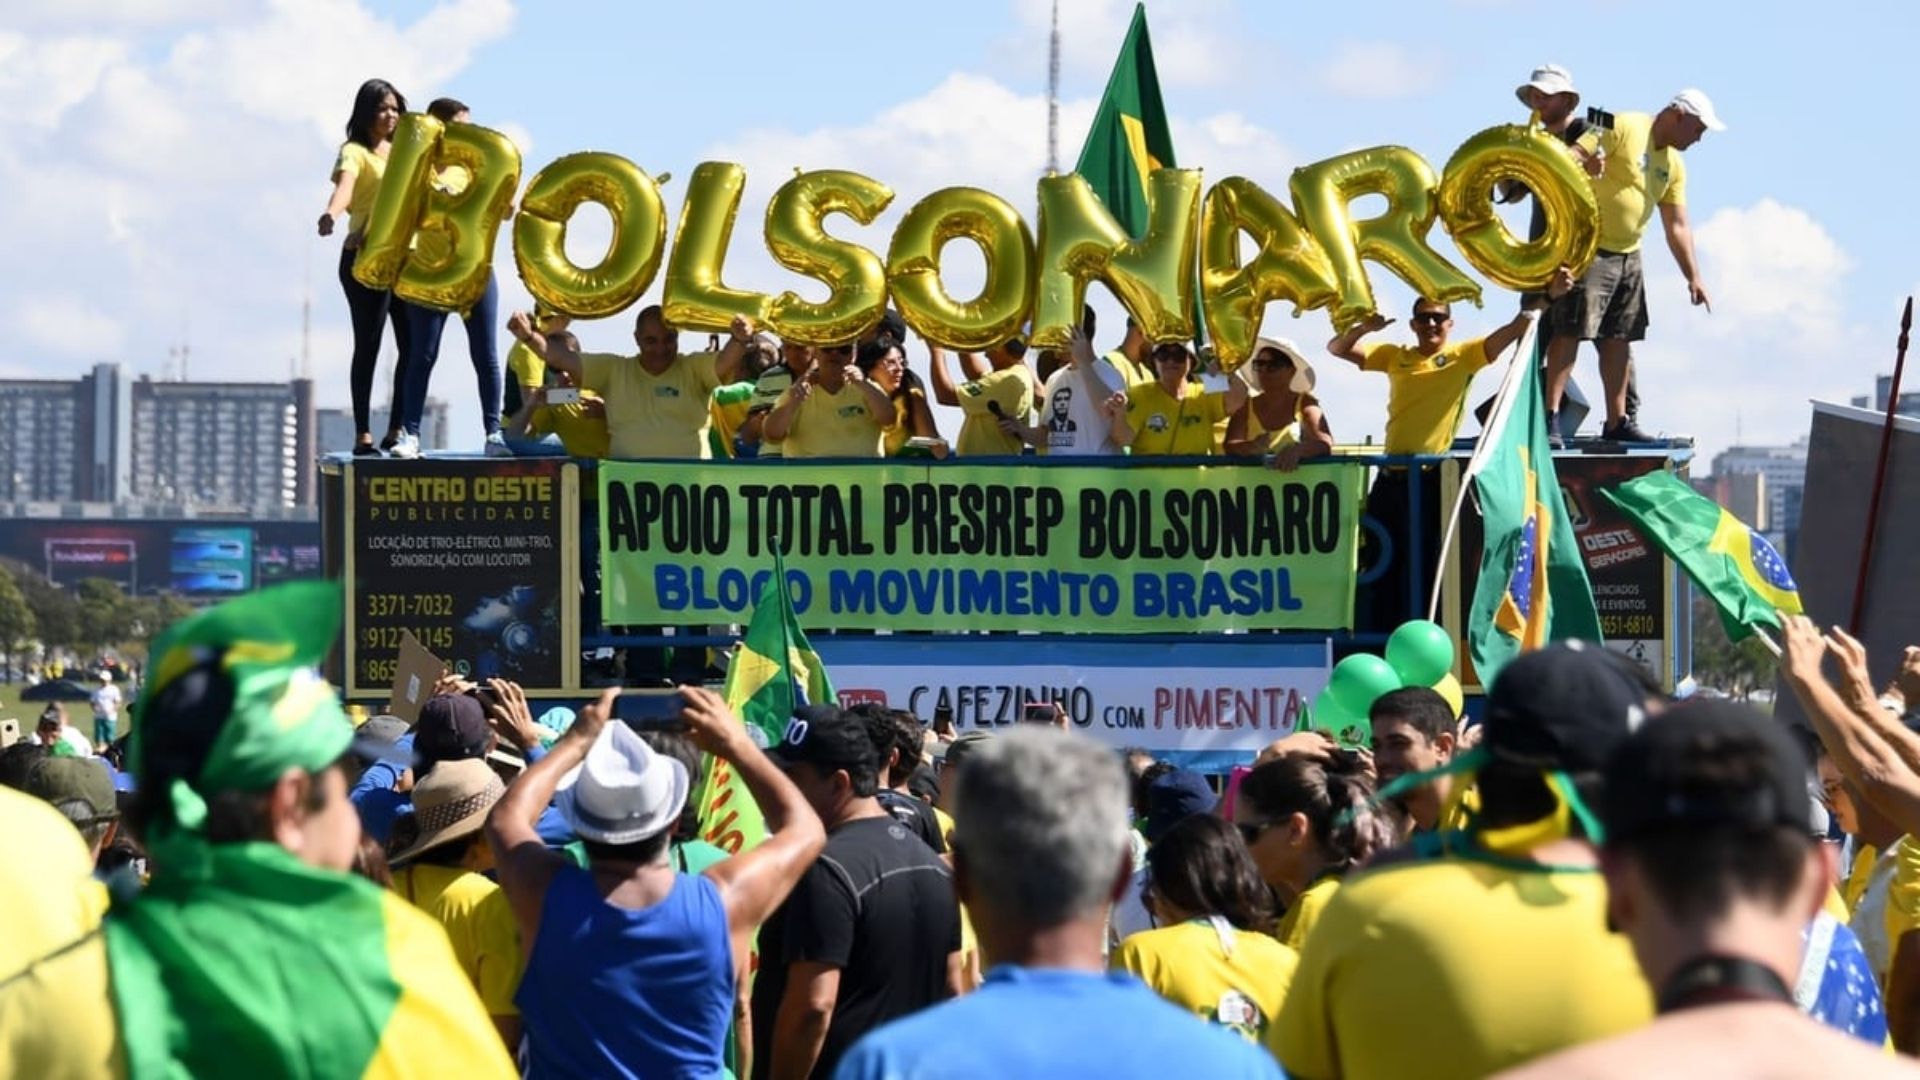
(1129, 138)
(773, 672)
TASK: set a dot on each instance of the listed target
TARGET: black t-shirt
(878, 904)
(916, 816)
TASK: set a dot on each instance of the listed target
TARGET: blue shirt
(612, 991)
(1050, 1022)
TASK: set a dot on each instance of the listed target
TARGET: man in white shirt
(106, 710)
(1071, 423)
(54, 731)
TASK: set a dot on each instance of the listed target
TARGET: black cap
(826, 738)
(451, 727)
(1564, 707)
(1173, 797)
(1706, 764)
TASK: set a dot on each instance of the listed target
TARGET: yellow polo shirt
(584, 434)
(1637, 178)
(1426, 395)
(1240, 990)
(1305, 911)
(1130, 371)
(479, 925)
(1455, 968)
(1164, 425)
(830, 424)
(525, 365)
(366, 168)
(1857, 874)
(655, 416)
(1011, 389)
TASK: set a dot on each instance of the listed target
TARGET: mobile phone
(1037, 712)
(1600, 118)
(651, 710)
(563, 395)
(943, 720)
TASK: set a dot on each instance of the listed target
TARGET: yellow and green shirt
(1426, 395)
(655, 416)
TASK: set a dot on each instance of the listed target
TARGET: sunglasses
(1251, 833)
(1271, 365)
(1170, 356)
(838, 350)
(1432, 318)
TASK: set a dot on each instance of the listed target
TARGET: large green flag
(773, 672)
(1533, 584)
(1129, 138)
(1737, 567)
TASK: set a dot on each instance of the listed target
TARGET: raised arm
(1873, 765)
(974, 366)
(878, 403)
(779, 422)
(754, 883)
(1673, 217)
(523, 863)
(1498, 341)
(558, 351)
(944, 390)
(337, 202)
(739, 333)
(1346, 346)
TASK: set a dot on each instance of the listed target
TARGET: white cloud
(1195, 43)
(1378, 70)
(67, 326)
(41, 78)
(119, 16)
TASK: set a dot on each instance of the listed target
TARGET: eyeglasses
(1432, 318)
(1250, 833)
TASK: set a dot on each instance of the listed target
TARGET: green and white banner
(953, 546)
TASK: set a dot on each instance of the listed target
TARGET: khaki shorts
(1609, 302)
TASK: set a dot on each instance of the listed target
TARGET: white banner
(1231, 698)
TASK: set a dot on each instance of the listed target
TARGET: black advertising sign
(472, 558)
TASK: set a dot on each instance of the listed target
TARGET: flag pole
(786, 619)
(1880, 474)
(1496, 422)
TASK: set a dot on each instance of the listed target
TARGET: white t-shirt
(72, 737)
(106, 701)
(1070, 413)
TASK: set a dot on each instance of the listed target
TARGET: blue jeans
(424, 326)
(544, 446)
(369, 308)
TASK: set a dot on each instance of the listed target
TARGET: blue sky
(167, 157)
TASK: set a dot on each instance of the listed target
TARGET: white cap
(1548, 79)
(1697, 103)
(623, 792)
(1303, 376)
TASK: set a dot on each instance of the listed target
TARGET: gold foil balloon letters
(913, 268)
(630, 197)
(799, 243)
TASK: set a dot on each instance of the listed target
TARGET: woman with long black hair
(1214, 954)
(356, 180)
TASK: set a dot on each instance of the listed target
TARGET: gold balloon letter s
(797, 242)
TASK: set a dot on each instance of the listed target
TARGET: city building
(1783, 472)
(105, 438)
(1882, 389)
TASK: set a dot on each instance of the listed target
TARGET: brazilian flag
(1129, 138)
(773, 672)
(1747, 579)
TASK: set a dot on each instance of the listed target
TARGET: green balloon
(1421, 652)
(1347, 729)
(1359, 679)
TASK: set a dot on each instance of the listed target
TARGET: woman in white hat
(1285, 420)
(442, 870)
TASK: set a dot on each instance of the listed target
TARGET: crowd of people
(753, 395)
(1592, 880)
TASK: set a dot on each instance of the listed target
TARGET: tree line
(94, 616)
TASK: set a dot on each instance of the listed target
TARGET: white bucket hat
(1304, 379)
(1548, 79)
(623, 792)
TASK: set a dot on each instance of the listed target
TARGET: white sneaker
(497, 445)
(406, 446)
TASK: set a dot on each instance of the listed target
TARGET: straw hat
(451, 803)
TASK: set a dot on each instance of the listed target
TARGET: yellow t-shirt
(1305, 911)
(1636, 179)
(525, 365)
(830, 424)
(1903, 896)
(1426, 395)
(1857, 875)
(584, 434)
(655, 416)
(969, 944)
(1162, 425)
(1135, 374)
(1011, 389)
(1286, 434)
(56, 1008)
(479, 926)
(366, 168)
(1189, 966)
(896, 436)
(1454, 968)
